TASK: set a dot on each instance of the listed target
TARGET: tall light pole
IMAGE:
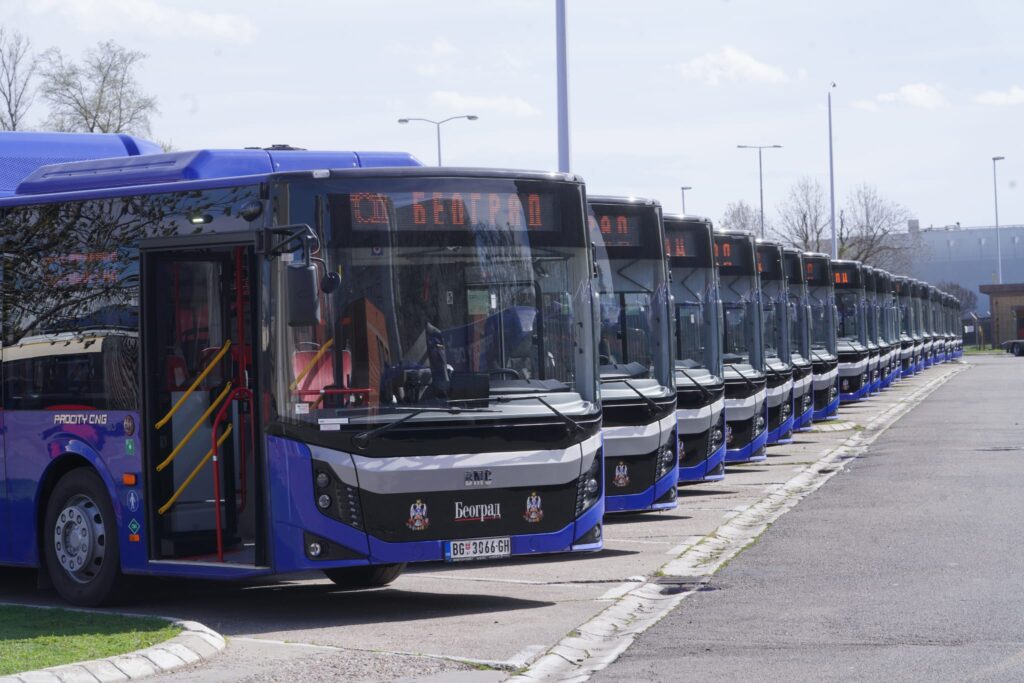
(760, 173)
(995, 198)
(832, 178)
(563, 87)
(437, 125)
(683, 190)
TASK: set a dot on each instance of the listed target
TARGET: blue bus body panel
(775, 435)
(803, 422)
(42, 439)
(21, 153)
(752, 452)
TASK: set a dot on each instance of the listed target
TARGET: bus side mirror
(303, 295)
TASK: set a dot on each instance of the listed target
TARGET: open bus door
(203, 469)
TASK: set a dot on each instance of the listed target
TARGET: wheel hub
(79, 538)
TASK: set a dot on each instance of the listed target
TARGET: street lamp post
(832, 178)
(437, 125)
(683, 190)
(760, 173)
(995, 199)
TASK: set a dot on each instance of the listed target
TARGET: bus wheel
(372, 576)
(80, 539)
(1018, 350)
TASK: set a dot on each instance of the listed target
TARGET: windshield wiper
(652, 407)
(814, 353)
(703, 389)
(742, 376)
(565, 418)
(362, 439)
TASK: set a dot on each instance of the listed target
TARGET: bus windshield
(450, 292)
(847, 302)
(632, 288)
(695, 292)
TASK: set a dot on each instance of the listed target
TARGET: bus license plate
(477, 549)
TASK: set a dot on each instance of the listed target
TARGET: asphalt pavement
(907, 566)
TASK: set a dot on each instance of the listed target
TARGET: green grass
(34, 638)
(971, 351)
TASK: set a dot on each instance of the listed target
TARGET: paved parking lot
(477, 622)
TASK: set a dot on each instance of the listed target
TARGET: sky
(660, 92)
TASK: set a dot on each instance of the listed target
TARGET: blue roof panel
(21, 153)
(174, 167)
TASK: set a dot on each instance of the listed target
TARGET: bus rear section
(799, 339)
(700, 389)
(776, 330)
(824, 358)
(742, 348)
(638, 395)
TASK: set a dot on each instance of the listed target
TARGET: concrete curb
(601, 640)
(195, 643)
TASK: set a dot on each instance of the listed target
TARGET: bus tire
(372, 576)
(80, 543)
(1017, 350)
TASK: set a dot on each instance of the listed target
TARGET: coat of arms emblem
(418, 520)
(533, 513)
(621, 477)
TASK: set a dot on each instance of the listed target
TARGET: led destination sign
(453, 211)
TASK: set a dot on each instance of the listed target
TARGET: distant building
(1007, 310)
(967, 256)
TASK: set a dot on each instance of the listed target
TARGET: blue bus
(888, 327)
(236, 363)
(821, 290)
(638, 395)
(799, 339)
(876, 348)
(700, 387)
(854, 355)
(922, 342)
(778, 360)
(742, 348)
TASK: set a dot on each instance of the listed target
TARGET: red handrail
(246, 395)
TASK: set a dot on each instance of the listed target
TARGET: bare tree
(741, 216)
(17, 68)
(98, 95)
(803, 217)
(871, 230)
(967, 298)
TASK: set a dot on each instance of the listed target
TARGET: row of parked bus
(236, 363)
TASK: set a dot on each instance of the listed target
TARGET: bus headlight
(759, 425)
(714, 439)
(845, 384)
(335, 498)
(666, 458)
(588, 487)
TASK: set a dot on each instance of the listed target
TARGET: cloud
(152, 17)
(866, 105)
(916, 95)
(1012, 95)
(730, 65)
(442, 48)
(502, 104)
